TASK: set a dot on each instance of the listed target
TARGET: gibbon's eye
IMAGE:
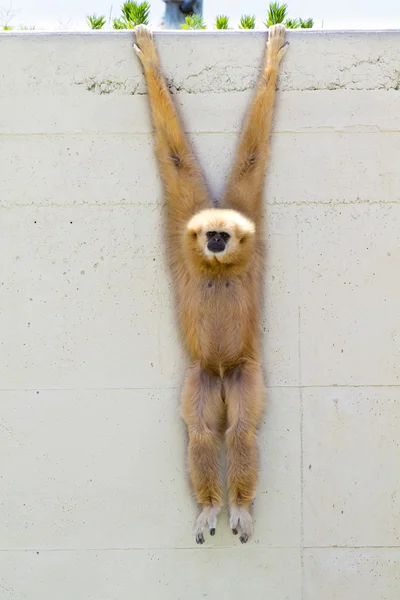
(194, 234)
(221, 234)
(225, 236)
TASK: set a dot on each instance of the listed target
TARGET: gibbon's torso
(220, 318)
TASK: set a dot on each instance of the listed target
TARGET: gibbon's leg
(185, 188)
(245, 184)
(204, 413)
(244, 391)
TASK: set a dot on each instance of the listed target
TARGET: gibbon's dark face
(217, 241)
(217, 237)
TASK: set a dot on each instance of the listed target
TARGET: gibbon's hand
(276, 46)
(145, 47)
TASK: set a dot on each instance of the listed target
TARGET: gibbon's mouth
(214, 252)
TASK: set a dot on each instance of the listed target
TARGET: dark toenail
(212, 531)
(235, 531)
(200, 538)
(244, 538)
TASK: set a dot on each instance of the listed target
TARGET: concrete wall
(95, 502)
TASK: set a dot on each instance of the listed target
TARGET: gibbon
(216, 257)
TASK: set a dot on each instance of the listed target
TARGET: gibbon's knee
(245, 397)
(202, 406)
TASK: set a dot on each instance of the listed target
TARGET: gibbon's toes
(212, 519)
(200, 538)
(207, 516)
(240, 516)
(234, 519)
(201, 522)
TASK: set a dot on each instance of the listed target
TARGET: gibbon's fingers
(145, 47)
(144, 37)
(276, 44)
(276, 36)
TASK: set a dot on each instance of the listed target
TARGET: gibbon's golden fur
(216, 257)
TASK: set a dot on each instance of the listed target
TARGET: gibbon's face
(217, 238)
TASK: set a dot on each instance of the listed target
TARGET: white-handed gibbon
(217, 261)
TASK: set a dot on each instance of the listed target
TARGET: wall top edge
(177, 32)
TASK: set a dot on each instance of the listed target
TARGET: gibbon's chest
(216, 319)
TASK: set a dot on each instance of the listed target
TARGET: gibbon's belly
(217, 323)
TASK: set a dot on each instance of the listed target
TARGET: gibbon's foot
(276, 46)
(240, 516)
(144, 47)
(207, 516)
(200, 538)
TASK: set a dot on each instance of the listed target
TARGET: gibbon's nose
(216, 244)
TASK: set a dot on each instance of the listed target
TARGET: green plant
(6, 28)
(222, 22)
(276, 13)
(96, 22)
(193, 22)
(27, 28)
(118, 24)
(292, 23)
(132, 14)
(306, 23)
(247, 22)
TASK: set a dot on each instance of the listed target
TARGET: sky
(329, 14)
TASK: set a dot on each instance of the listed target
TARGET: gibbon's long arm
(185, 188)
(245, 184)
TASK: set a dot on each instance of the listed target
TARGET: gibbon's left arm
(186, 191)
(245, 185)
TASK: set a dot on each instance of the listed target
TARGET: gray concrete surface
(95, 502)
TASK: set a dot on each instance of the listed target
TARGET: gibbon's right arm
(186, 191)
(246, 182)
